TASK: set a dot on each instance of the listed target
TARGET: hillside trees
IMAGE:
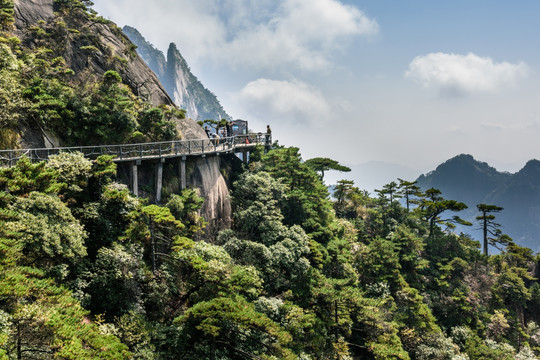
(39, 238)
(13, 105)
(464, 292)
(491, 232)
(83, 259)
(6, 14)
(260, 202)
(306, 203)
(408, 190)
(433, 204)
(320, 165)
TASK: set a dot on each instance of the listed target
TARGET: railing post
(202, 146)
(121, 152)
(135, 178)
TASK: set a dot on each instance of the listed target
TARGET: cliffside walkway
(144, 151)
(156, 152)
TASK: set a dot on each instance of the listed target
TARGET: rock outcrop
(176, 76)
(92, 45)
(29, 12)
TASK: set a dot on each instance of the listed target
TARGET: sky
(402, 84)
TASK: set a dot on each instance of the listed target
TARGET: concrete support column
(135, 178)
(245, 155)
(159, 180)
(182, 169)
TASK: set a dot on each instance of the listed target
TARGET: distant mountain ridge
(473, 182)
(174, 73)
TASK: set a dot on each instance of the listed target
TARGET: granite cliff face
(90, 45)
(205, 175)
(183, 87)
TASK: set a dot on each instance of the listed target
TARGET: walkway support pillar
(182, 169)
(135, 178)
(245, 155)
(159, 180)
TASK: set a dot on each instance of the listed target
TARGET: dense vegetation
(88, 271)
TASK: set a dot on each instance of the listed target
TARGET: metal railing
(143, 151)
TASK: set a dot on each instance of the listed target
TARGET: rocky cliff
(90, 46)
(184, 87)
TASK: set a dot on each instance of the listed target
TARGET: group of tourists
(226, 131)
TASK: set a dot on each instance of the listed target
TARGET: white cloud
(262, 34)
(299, 33)
(494, 127)
(323, 20)
(289, 100)
(455, 74)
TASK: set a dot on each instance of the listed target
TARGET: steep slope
(183, 87)
(151, 56)
(90, 46)
(465, 179)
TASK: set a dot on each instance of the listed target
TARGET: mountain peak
(460, 166)
(463, 178)
(531, 168)
(465, 161)
(179, 82)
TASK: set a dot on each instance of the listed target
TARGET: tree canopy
(322, 164)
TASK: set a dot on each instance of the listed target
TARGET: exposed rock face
(107, 48)
(29, 12)
(112, 45)
(206, 176)
(151, 56)
(184, 87)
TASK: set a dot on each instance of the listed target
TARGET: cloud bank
(290, 100)
(455, 74)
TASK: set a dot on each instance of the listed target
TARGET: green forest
(88, 271)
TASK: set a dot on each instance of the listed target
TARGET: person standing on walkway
(268, 134)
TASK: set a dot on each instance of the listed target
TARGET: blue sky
(412, 83)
